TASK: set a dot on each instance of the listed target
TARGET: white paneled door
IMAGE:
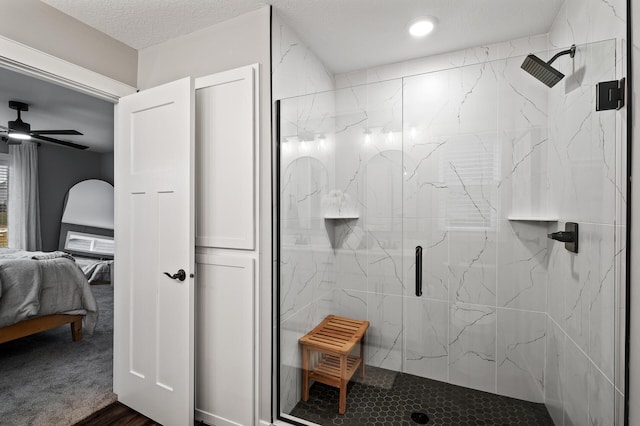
(154, 195)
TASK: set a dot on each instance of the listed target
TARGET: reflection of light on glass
(322, 143)
(390, 137)
(413, 132)
(367, 137)
(286, 146)
(304, 146)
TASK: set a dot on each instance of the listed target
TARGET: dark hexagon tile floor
(388, 398)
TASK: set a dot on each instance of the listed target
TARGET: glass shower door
(450, 212)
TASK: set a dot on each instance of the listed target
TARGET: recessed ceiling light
(422, 26)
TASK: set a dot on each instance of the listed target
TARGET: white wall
(231, 44)
(45, 28)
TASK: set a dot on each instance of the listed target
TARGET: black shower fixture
(542, 70)
(569, 236)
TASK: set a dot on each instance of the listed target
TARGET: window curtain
(24, 200)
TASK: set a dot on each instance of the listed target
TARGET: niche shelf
(353, 216)
(339, 227)
(532, 219)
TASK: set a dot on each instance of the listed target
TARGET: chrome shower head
(542, 70)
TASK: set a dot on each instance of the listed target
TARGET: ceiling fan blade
(4, 129)
(56, 132)
(59, 142)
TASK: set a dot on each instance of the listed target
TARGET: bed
(40, 291)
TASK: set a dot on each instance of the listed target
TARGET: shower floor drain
(420, 418)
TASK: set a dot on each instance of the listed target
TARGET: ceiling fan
(18, 130)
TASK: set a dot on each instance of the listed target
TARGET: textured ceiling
(143, 23)
(346, 34)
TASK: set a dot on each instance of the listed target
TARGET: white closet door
(154, 233)
(225, 340)
(226, 164)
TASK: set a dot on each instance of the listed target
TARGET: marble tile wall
(587, 165)
(296, 69)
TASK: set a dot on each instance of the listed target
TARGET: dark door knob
(181, 275)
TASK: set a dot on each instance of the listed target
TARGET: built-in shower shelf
(344, 217)
(532, 219)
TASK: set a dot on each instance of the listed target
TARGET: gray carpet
(46, 379)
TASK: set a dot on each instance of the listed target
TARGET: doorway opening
(45, 377)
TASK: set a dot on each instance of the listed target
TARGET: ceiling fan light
(18, 130)
(21, 136)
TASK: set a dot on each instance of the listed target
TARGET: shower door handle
(418, 271)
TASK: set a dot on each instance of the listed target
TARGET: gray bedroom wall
(58, 170)
(106, 163)
(47, 29)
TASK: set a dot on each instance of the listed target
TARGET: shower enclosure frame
(629, 215)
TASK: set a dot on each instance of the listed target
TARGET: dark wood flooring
(121, 415)
(117, 414)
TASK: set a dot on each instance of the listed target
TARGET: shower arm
(571, 51)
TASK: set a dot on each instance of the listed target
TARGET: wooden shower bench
(334, 338)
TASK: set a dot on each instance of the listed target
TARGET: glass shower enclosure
(423, 205)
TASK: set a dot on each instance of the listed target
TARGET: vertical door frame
(26, 60)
